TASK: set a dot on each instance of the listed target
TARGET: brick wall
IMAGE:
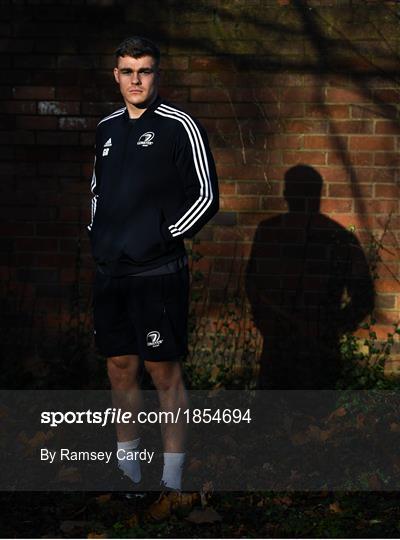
(277, 83)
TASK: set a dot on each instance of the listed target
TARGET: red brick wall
(276, 83)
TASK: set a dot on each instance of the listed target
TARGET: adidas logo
(106, 147)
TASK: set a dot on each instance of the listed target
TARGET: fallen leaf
(133, 521)
(187, 499)
(299, 438)
(40, 437)
(338, 413)
(242, 529)
(38, 440)
(97, 535)
(215, 391)
(4, 412)
(194, 465)
(203, 515)
(360, 421)
(318, 434)
(285, 501)
(394, 427)
(160, 509)
(325, 434)
(215, 370)
(101, 499)
(336, 508)
(69, 474)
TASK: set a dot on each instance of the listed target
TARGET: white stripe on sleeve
(202, 169)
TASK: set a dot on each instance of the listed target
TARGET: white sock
(173, 467)
(130, 467)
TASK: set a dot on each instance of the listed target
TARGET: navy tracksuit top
(154, 183)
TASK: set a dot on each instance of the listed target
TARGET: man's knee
(123, 370)
(165, 375)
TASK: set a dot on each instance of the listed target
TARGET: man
(154, 183)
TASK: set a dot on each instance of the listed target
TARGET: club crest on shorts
(153, 339)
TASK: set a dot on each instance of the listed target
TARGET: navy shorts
(143, 315)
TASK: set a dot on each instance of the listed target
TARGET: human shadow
(308, 283)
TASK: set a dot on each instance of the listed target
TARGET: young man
(154, 183)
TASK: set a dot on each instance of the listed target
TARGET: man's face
(137, 79)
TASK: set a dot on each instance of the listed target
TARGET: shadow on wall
(308, 282)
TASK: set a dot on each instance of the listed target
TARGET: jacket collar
(149, 109)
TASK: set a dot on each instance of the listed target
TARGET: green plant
(223, 352)
(364, 360)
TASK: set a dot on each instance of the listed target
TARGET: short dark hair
(136, 47)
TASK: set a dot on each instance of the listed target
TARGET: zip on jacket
(154, 183)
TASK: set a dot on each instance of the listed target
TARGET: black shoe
(135, 494)
(165, 490)
(125, 487)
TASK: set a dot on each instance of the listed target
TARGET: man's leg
(168, 380)
(123, 374)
